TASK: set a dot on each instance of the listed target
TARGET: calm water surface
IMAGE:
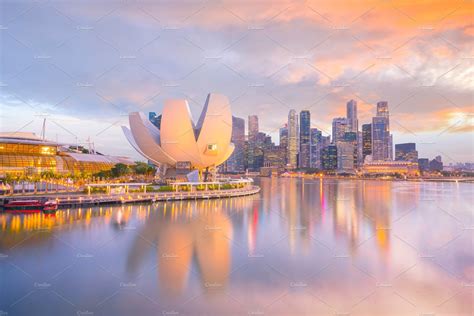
(300, 247)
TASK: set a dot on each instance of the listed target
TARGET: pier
(72, 200)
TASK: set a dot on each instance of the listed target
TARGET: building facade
(236, 162)
(292, 152)
(351, 113)
(406, 152)
(26, 154)
(366, 140)
(381, 137)
(329, 158)
(305, 145)
(339, 128)
(316, 146)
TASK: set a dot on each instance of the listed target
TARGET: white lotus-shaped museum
(178, 140)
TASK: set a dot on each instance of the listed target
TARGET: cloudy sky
(83, 65)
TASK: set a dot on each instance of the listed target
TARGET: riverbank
(468, 180)
(72, 200)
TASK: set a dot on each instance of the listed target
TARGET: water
(300, 247)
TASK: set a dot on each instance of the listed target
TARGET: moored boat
(31, 206)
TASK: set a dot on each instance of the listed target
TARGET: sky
(83, 65)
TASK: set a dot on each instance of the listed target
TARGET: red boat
(31, 206)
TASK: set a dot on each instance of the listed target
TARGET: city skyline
(413, 55)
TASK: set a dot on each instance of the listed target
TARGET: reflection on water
(301, 246)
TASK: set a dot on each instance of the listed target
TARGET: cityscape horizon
(236, 157)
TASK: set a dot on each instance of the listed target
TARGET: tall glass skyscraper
(253, 150)
(235, 163)
(305, 128)
(339, 129)
(366, 140)
(381, 138)
(351, 113)
(316, 146)
(292, 139)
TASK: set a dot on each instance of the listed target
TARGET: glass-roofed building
(26, 153)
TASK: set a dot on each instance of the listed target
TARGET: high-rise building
(366, 140)
(253, 127)
(284, 137)
(339, 128)
(316, 146)
(305, 146)
(436, 164)
(292, 151)
(329, 158)
(382, 109)
(406, 152)
(275, 157)
(236, 163)
(423, 164)
(253, 150)
(351, 113)
(381, 138)
(345, 156)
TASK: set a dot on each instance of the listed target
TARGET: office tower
(406, 152)
(423, 164)
(275, 156)
(305, 127)
(253, 127)
(284, 136)
(366, 140)
(436, 164)
(329, 158)
(292, 140)
(315, 150)
(325, 141)
(155, 119)
(382, 109)
(345, 156)
(339, 128)
(351, 113)
(381, 138)
(252, 145)
(235, 163)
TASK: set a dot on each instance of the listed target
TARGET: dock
(72, 200)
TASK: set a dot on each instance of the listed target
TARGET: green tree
(120, 170)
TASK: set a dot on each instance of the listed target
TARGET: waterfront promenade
(97, 199)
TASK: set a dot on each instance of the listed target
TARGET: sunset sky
(85, 64)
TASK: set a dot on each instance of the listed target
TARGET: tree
(143, 168)
(120, 170)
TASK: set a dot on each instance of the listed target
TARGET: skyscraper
(253, 151)
(382, 109)
(305, 127)
(351, 113)
(253, 127)
(339, 128)
(366, 140)
(381, 138)
(284, 136)
(235, 163)
(292, 139)
(329, 158)
(316, 146)
(406, 152)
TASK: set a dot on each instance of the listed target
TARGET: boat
(31, 206)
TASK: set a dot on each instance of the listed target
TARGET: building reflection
(189, 237)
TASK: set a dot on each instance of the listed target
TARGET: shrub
(165, 188)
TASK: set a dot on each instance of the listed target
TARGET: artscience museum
(178, 143)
